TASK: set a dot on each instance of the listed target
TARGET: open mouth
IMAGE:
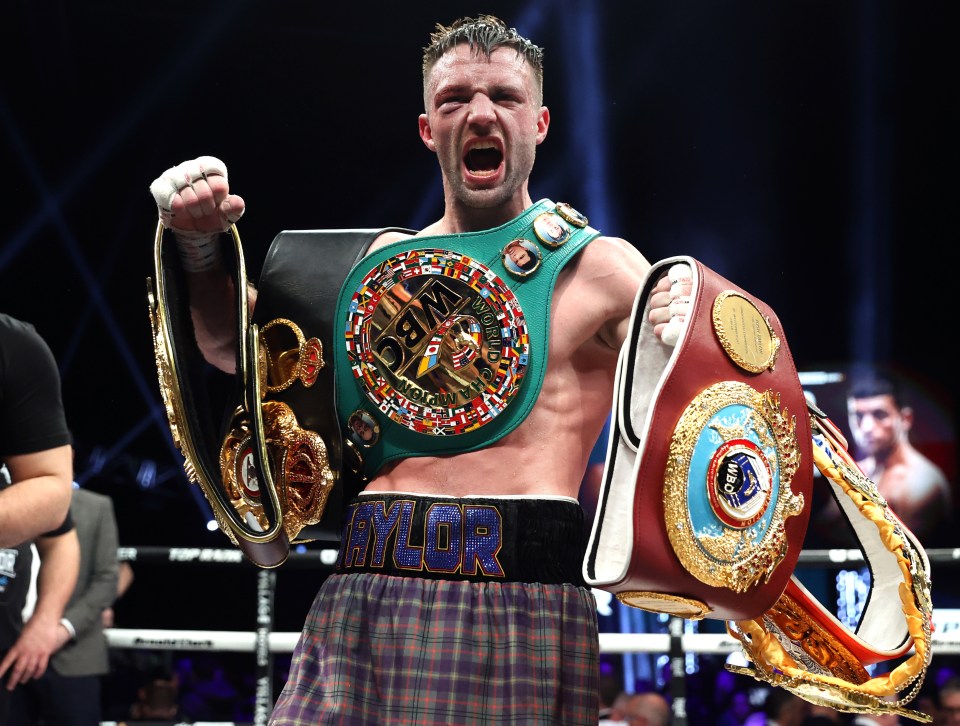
(483, 159)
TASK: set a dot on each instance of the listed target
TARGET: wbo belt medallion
(727, 487)
(437, 341)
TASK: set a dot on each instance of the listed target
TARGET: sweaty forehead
(462, 65)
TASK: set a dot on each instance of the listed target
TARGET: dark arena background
(806, 151)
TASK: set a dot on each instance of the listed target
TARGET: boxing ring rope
(264, 642)
(241, 641)
(236, 641)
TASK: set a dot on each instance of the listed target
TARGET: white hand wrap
(169, 184)
(199, 251)
(681, 288)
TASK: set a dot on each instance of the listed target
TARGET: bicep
(39, 498)
(616, 271)
(55, 463)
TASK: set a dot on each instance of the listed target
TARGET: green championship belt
(443, 339)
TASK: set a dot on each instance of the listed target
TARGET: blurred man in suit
(68, 694)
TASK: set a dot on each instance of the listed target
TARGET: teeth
(471, 158)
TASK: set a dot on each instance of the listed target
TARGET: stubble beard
(491, 197)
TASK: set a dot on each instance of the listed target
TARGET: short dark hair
(484, 34)
(867, 384)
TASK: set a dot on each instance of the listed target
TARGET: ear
(906, 416)
(543, 123)
(426, 134)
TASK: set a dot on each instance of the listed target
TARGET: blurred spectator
(647, 709)
(783, 708)
(914, 486)
(69, 692)
(616, 713)
(611, 685)
(948, 703)
(158, 699)
(131, 671)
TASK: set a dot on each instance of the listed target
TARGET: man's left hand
(29, 656)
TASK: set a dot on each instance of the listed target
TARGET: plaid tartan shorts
(409, 649)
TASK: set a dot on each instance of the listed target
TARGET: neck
(458, 217)
(887, 458)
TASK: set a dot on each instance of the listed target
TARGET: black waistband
(475, 539)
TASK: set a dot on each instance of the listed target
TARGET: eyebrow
(499, 87)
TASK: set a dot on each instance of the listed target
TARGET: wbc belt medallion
(727, 487)
(437, 341)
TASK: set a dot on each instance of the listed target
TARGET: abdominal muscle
(517, 464)
(546, 455)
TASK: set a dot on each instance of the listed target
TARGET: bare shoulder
(603, 286)
(614, 263)
(922, 472)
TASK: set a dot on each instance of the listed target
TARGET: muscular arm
(659, 301)
(43, 634)
(612, 271)
(34, 439)
(39, 497)
(214, 315)
(194, 201)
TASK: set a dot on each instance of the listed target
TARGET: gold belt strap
(799, 646)
(195, 428)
